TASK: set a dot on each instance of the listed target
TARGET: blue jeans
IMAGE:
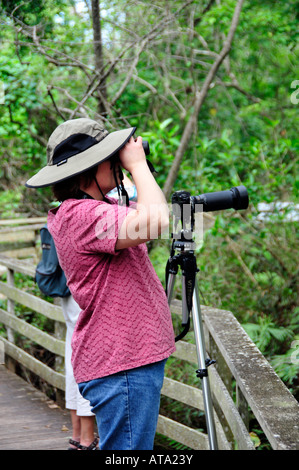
(126, 406)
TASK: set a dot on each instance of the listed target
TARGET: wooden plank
(22, 228)
(15, 239)
(271, 402)
(49, 375)
(28, 420)
(230, 411)
(186, 352)
(38, 441)
(13, 246)
(23, 253)
(35, 334)
(192, 396)
(49, 310)
(23, 220)
(19, 266)
(184, 393)
(189, 437)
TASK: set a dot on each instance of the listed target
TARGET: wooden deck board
(27, 421)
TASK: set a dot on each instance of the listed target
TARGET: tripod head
(185, 206)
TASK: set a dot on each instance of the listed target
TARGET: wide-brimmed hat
(75, 146)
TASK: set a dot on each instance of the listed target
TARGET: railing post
(10, 304)
(2, 352)
(37, 246)
(59, 333)
(242, 406)
(11, 363)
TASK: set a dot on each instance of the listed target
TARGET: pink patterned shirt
(125, 320)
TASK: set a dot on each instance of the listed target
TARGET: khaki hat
(75, 146)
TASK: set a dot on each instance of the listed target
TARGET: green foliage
(9, 203)
(287, 365)
(265, 331)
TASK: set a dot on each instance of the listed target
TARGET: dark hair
(70, 188)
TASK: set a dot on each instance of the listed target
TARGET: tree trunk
(98, 52)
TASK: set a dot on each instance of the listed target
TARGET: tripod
(182, 255)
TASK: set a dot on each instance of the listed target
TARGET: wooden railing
(242, 381)
(18, 237)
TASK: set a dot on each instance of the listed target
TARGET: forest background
(213, 87)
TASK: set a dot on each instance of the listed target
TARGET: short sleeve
(96, 226)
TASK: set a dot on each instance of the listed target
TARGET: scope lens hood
(242, 200)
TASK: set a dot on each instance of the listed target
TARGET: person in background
(82, 418)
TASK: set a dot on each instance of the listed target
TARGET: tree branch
(32, 33)
(236, 85)
(54, 103)
(198, 102)
(129, 74)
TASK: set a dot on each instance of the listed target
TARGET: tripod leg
(170, 286)
(201, 355)
(185, 311)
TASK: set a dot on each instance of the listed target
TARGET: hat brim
(82, 161)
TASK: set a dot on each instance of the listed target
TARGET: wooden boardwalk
(29, 420)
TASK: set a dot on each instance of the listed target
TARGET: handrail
(19, 236)
(237, 357)
(23, 221)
